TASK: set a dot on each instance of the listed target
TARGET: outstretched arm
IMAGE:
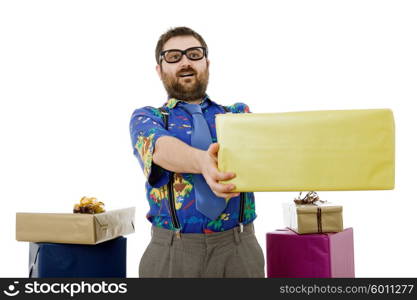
(174, 155)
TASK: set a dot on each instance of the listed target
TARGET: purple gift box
(310, 255)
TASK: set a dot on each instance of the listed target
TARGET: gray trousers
(224, 254)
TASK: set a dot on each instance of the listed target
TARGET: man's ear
(208, 63)
(158, 70)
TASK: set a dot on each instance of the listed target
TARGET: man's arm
(174, 155)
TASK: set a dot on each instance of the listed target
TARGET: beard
(185, 91)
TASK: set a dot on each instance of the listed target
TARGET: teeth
(187, 74)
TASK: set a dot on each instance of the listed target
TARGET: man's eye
(173, 56)
(195, 54)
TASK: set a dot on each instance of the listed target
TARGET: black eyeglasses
(174, 55)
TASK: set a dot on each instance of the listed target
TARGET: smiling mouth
(186, 75)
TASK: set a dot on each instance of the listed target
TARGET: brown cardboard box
(313, 218)
(70, 228)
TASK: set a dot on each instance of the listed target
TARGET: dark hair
(177, 31)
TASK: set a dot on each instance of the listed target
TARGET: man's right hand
(176, 156)
(208, 164)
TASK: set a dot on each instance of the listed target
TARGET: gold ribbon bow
(311, 198)
(89, 205)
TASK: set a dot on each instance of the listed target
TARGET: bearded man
(200, 227)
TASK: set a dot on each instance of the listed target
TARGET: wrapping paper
(107, 259)
(306, 218)
(304, 151)
(74, 228)
(311, 255)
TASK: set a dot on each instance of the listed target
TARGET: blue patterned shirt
(146, 126)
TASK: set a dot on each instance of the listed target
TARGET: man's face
(187, 88)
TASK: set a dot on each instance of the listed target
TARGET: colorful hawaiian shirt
(146, 126)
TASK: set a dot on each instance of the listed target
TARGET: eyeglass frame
(183, 52)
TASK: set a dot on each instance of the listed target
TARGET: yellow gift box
(311, 150)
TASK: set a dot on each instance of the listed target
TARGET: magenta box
(323, 255)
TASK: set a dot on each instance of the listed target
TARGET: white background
(72, 72)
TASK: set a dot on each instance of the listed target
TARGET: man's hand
(176, 156)
(208, 164)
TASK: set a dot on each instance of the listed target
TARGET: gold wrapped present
(305, 151)
(311, 215)
(74, 228)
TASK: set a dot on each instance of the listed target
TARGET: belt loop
(172, 237)
(236, 234)
(176, 235)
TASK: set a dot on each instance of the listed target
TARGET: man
(200, 227)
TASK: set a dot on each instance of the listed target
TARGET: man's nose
(184, 61)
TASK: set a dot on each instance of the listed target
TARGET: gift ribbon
(319, 225)
(310, 199)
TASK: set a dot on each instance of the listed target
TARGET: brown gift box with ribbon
(74, 228)
(312, 215)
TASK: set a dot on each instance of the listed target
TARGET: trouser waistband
(235, 233)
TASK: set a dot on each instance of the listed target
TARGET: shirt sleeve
(239, 108)
(146, 127)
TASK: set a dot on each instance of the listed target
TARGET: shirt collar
(172, 102)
